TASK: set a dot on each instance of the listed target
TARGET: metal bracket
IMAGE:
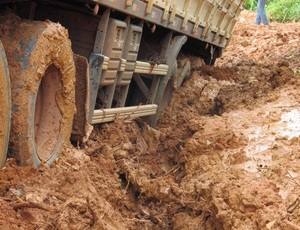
(149, 6)
(196, 26)
(185, 21)
(173, 13)
(101, 32)
(142, 86)
(216, 36)
(198, 10)
(186, 14)
(128, 3)
(95, 67)
(166, 11)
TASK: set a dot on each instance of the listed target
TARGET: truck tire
(183, 72)
(163, 96)
(42, 75)
(5, 110)
(167, 84)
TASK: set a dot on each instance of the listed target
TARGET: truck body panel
(207, 20)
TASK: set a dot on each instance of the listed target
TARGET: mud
(224, 155)
(81, 128)
(4, 105)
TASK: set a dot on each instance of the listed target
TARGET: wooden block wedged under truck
(66, 65)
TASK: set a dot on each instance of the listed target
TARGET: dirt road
(225, 154)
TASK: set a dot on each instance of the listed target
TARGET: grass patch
(279, 10)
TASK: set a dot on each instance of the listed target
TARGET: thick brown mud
(224, 155)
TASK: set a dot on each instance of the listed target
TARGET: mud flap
(5, 105)
(81, 129)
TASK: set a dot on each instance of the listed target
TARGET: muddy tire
(183, 72)
(166, 90)
(42, 75)
(163, 97)
(5, 106)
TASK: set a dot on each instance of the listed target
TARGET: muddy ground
(225, 154)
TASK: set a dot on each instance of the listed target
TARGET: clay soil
(225, 154)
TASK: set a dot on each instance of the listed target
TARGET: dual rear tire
(42, 75)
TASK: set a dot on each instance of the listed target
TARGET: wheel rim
(48, 116)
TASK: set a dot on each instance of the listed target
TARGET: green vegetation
(250, 4)
(279, 10)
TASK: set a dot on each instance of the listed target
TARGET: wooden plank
(103, 116)
(128, 116)
(125, 109)
(107, 115)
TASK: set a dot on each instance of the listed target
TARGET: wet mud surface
(224, 155)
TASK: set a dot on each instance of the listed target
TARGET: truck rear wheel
(5, 110)
(42, 76)
(181, 73)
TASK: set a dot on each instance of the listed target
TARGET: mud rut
(225, 154)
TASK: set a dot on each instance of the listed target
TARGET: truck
(67, 65)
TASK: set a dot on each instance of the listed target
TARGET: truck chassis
(127, 59)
